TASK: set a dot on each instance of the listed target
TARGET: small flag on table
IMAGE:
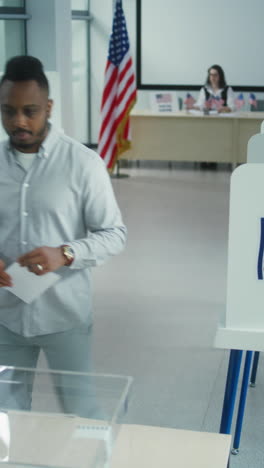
(189, 101)
(208, 103)
(119, 94)
(252, 100)
(216, 103)
(240, 101)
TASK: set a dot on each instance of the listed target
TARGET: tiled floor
(158, 304)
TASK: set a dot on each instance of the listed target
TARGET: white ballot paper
(28, 286)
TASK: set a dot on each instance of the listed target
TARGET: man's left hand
(42, 260)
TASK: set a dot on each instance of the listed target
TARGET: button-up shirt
(66, 197)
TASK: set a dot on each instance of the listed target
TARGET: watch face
(68, 252)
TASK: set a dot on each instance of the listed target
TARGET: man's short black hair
(25, 68)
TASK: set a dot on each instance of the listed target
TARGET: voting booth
(243, 324)
(255, 147)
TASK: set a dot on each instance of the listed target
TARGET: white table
(158, 447)
(57, 440)
(182, 136)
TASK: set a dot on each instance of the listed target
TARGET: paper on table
(199, 112)
(28, 286)
(195, 112)
(212, 112)
(228, 114)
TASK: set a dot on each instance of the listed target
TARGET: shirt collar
(48, 144)
(211, 90)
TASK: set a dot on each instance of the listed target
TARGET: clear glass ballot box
(59, 419)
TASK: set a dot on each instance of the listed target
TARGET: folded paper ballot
(28, 286)
(211, 112)
(200, 112)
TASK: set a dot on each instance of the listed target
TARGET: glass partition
(12, 3)
(79, 4)
(72, 419)
(12, 40)
(80, 79)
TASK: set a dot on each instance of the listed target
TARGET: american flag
(164, 98)
(208, 103)
(119, 94)
(189, 101)
(253, 100)
(240, 101)
(216, 103)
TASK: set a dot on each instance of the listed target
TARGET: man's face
(25, 109)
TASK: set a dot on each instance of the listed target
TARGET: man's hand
(42, 260)
(5, 278)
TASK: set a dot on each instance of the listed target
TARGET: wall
(180, 40)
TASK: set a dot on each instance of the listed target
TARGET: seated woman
(216, 95)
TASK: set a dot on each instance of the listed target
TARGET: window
(81, 70)
(12, 29)
(12, 40)
(12, 33)
(12, 3)
(80, 80)
(80, 5)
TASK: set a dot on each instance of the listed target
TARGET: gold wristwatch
(68, 254)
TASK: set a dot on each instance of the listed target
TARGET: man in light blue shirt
(58, 213)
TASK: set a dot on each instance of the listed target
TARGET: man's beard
(39, 137)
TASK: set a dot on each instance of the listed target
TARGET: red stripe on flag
(123, 72)
(109, 85)
(131, 99)
(123, 92)
(107, 118)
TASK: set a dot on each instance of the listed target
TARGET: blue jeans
(64, 351)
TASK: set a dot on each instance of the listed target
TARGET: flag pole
(118, 175)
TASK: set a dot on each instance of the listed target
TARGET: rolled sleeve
(106, 232)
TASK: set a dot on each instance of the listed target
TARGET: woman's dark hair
(222, 80)
(25, 68)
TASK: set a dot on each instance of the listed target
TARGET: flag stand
(118, 175)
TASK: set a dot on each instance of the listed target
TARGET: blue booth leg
(254, 369)
(230, 390)
(242, 402)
